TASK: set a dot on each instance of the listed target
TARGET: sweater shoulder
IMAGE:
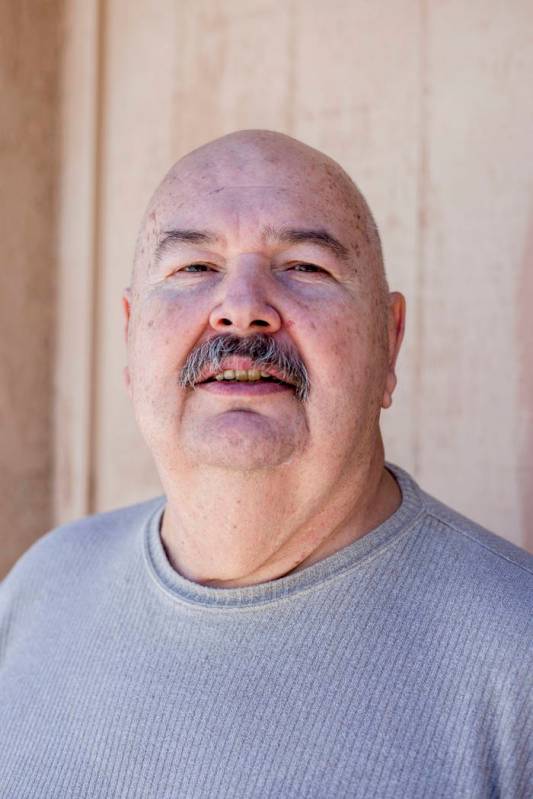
(479, 544)
(69, 571)
(76, 545)
(472, 583)
(484, 575)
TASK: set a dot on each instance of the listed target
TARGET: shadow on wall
(30, 55)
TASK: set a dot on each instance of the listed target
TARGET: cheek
(163, 334)
(345, 364)
(165, 330)
(339, 341)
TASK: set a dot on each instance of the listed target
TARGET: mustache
(263, 350)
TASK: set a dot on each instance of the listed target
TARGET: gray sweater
(398, 668)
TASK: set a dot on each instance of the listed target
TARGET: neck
(230, 529)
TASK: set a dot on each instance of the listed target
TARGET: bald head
(265, 161)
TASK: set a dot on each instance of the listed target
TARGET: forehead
(241, 203)
(237, 209)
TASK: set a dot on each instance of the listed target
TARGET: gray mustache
(263, 350)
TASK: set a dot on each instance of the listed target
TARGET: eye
(199, 267)
(308, 268)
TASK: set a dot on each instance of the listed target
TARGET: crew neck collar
(255, 596)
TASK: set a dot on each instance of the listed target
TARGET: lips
(240, 369)
(242, 388)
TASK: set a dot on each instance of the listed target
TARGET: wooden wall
(427, 103)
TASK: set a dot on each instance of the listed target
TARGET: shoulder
(448, 531)
(70, 573)
(487, 580)
(476, 544)
(70, 570)
(471, 576)
(75, 548)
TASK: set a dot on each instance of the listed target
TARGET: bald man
(294, 617)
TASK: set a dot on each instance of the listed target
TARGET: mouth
(245, 376)
(254, 365)
(239, 377)
(241, 372)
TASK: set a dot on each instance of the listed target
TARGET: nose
(244, 307)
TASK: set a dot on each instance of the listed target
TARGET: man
(295, 618)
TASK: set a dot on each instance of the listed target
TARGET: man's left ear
(126, 307)
(395, 330)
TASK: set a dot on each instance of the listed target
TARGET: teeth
(241, 374)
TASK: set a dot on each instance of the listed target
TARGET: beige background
(427, 103)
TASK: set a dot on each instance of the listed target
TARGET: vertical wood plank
(471, 410)
(76, 260)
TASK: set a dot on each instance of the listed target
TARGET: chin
(242, 444)
(240, 456)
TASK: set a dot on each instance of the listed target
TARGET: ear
(395, 331)
(126, 307)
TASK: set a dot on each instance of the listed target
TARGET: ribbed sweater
(399, 667)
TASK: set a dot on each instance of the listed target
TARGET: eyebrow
(170, 237)
(286, 235)
(319, 236)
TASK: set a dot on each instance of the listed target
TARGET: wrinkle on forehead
(249, 186)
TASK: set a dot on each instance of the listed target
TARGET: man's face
(265, 246)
